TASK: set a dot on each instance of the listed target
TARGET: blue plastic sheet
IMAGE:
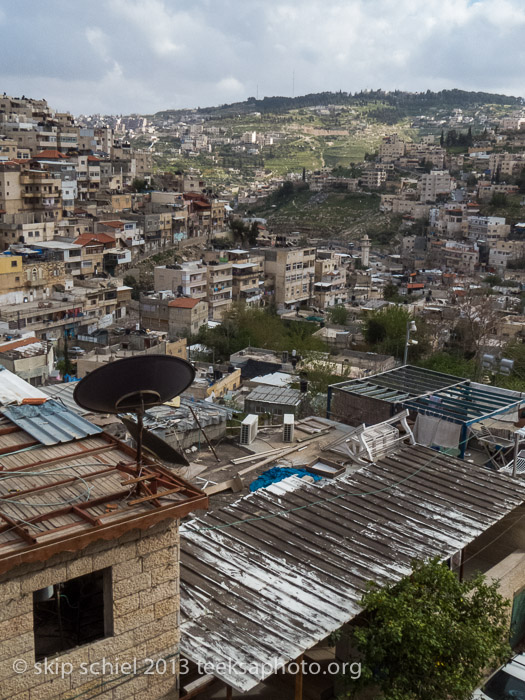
(275, 474)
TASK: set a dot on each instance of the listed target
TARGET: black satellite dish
(132, 385)
(154, 443)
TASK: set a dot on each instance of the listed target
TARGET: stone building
(91, 583)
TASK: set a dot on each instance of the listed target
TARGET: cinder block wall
(145, 605)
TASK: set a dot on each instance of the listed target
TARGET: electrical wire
(187, 528)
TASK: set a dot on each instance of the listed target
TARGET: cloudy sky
(124, 56)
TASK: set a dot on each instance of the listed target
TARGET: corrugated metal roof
(400, 382)
(63, 393)
(275, 394)
(51, 422)
(13, 389)
(265, 591)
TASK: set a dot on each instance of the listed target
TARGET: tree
(338, 315)
(391, 292)
(385, 330)
(430, 636)
(139, 185)
(478, 315)
(499, 199)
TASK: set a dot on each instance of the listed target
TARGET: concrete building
(330, 283)
(276, 401)
(189, 279)
(101, 356)
(434, 184)
(291, 274)
(488, 228)
(179, 317)
(29, 358)
(247, 276)
(391, 148)
(219, 284)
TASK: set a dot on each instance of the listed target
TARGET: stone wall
(144, 590)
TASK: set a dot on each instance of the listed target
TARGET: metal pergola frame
(435, 394)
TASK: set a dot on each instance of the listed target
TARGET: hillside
(346, 216)
(405, 102)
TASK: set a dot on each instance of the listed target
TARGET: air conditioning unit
(249, 428)
(288, 427)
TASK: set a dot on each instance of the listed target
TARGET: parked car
(76, 350)
(508, 683)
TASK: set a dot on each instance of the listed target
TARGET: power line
(318, 502)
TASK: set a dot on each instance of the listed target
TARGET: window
(14, 263)
(75, 612)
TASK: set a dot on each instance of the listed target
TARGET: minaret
(365, 251)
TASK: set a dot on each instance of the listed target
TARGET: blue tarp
(275, 474)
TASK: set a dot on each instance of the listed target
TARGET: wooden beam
(86, 516)
(20, 531)
(68, 458)
(234, 484)
(136, 480)
(6, 451)
(299, 679)
(198, 686)
(154, 496)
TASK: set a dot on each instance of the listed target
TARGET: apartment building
(391, 148)
(247, 276)
(488, 228)
(188, 279)
(373, 178)
(291, 275)
(179, 317)
(330, 283)
(219, 284)
(434, 184)
(451, 255)
(503, 251)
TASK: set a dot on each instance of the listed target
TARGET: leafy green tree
(321, 373)
(430, 636)
(139, 185)
(385, 330)
(243, 326)
(338, 315)
(131, 281)
(391, 292)
(499, 199)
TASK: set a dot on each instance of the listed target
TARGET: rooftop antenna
(133, 385)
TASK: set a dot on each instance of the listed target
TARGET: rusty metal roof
(65, 495)
(267, 577)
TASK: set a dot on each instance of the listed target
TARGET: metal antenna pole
(516, 450)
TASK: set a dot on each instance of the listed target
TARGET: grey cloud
(131, 56)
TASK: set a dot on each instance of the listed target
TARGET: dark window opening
(72, 613)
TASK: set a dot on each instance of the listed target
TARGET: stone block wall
(143, 576)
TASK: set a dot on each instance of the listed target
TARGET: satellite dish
(153, 443)
(133, 385)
